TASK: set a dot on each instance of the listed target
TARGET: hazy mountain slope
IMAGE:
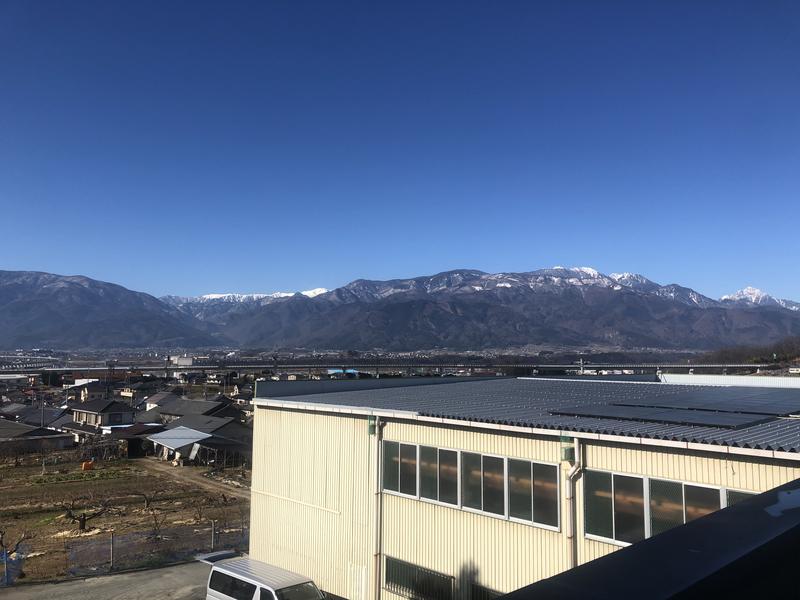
(41, 309)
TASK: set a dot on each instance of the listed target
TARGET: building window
(545, 494)
(614, 506)
(495, 485)
(428, 473)
(408, 469)
(700, 501)
(598, 504)
(520, 489)
(628, 508)
(415, 582)
(400, 468)
(391, 466)
(471, 480)
(666, 505)
(448, 476)
(734, 497)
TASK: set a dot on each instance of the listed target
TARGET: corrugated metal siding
(498, 554)
(312, 502)
(767, 381)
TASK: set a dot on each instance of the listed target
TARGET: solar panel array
(537, 402)
(728, 420)
(735, 402)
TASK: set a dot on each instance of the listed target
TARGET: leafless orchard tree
(89, 509)
(151, 497)
(157, 520)
(9, 547)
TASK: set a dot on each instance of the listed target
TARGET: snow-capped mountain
(751, 296)
(461, 310)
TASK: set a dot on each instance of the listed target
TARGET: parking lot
(182, 582)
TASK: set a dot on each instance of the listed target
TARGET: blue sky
(192, 147)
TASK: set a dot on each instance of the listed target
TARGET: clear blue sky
(194, 147)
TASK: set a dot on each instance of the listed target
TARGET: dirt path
(193, 476)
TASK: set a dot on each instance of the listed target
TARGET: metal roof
(260, 573)
(532, 403)
(178, 437)
(200, 423)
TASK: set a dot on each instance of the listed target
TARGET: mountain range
(455, 310)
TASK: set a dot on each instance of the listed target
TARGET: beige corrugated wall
(313, 501)
(495, 553)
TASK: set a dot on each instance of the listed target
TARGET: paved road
(183, 582)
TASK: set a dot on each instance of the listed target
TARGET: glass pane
(408, 469)
(700, 501)
(597, 504)
(734, 496)
(471, 480)
(628, 508)
(494, 485)
(520, 499)
(428, 469)
(545, 494)
(448, 476)
(391, 466)
(666, 505)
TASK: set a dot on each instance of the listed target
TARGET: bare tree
(157, 520)
(8, 547)
(150, 498)
(199, 506)
(81, 516)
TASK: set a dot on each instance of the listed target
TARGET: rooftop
(737, 417)
(103, 406)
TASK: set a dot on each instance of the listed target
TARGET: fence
(106, 553)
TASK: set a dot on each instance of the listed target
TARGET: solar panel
(728, 400)
(669, 415)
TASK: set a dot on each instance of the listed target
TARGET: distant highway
(396, 366)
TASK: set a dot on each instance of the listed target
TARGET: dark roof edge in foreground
(744, 551)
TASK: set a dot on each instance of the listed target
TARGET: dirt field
(182, 505)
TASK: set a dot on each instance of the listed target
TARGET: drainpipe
(572, 516)
(378, 541)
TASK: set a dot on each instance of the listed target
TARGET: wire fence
(107, 552)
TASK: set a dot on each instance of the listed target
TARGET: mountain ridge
(461, 309)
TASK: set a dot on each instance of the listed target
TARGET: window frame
(460, 484)
(438, 502)
(399, 466)
(723, 497)
(534, 522)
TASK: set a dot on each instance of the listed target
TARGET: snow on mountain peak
(315, 292)
(750, 295)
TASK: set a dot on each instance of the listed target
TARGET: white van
(248, 579)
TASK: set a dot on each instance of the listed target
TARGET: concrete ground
(182, 582)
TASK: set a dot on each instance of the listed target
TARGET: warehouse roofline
(529, 406)
(622, 439)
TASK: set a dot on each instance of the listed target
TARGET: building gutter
(378, 538)
(572, 517)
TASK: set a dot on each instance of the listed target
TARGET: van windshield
(303, 591)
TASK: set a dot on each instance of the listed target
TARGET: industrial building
(480, 487)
